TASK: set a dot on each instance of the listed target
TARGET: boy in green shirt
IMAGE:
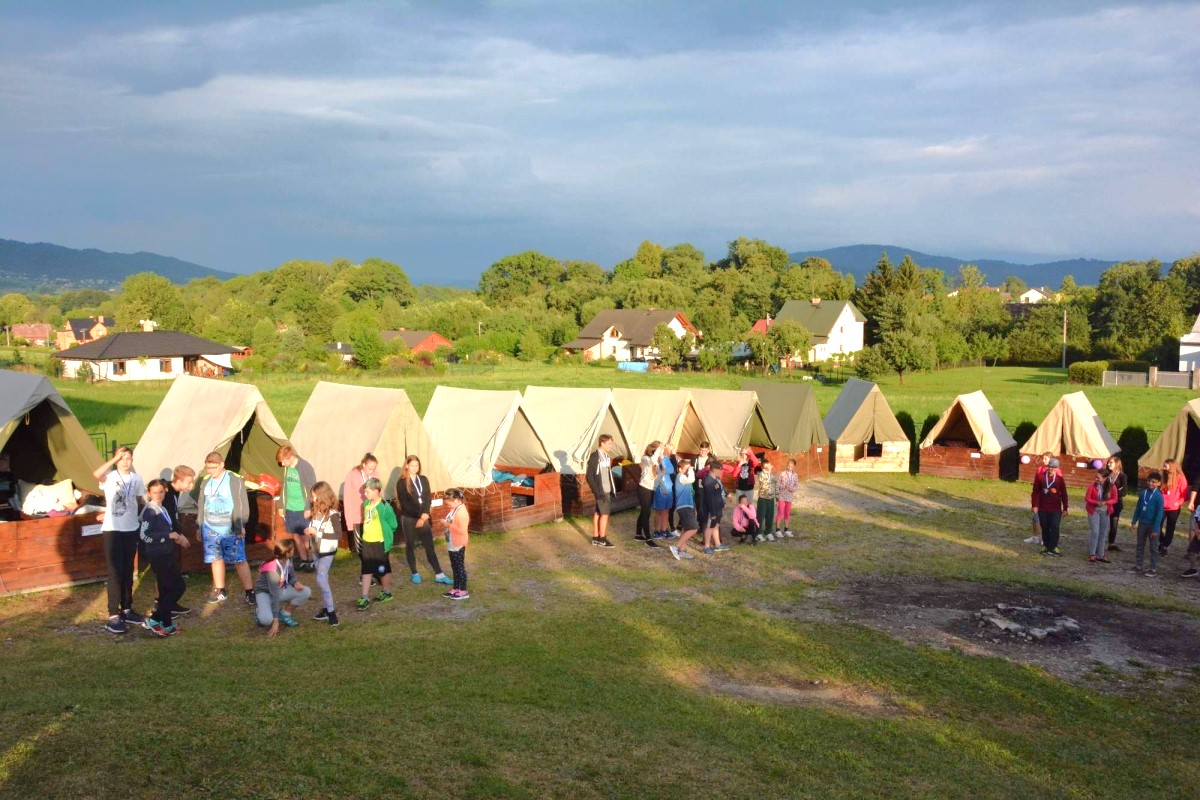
(378, 531)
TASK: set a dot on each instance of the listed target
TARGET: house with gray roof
(837, 326)
(627, 334)
(146, 356)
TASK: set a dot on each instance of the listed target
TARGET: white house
(1039, 294)
(1189, 349)
(627, 334)
(147, 356)
(837, 326)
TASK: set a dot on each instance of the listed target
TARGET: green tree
(1136, 313)
(530, 347)
(375, 279)
(527, 274)
(15, 309)
(1184, 280)
(649, 257)
(670, 351)
(684, 264)
(905, 351)
(369, 348)
(1013, 285)
(149, 296)
(788, 338)
(871, 296)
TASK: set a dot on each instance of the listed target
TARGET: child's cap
(1054, 462)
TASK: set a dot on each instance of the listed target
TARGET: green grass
(573, 672)
(1019, 394)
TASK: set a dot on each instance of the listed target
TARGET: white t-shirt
(121, 496)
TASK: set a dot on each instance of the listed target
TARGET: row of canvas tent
(544, 436)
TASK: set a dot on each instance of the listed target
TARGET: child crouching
(276, 587)
(457, 521)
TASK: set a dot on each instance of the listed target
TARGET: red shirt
(1050, 493)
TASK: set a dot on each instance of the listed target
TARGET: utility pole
(1064, 342)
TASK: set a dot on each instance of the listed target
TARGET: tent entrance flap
(28, 449)
(957, 431)
(691, 432)
(251, 451)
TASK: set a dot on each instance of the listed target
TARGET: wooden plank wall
(895, 458)
(491, 507)
(1078, 471)
(46, 553)
(812, 463)
(963, 462)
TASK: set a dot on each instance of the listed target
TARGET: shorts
(294, 522)
(223, 547)
(687, 519)
(713, 520)
(375, 559)
(604, 505)
(661, 502)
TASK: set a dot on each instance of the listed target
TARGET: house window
(164, 366)
(118, 368)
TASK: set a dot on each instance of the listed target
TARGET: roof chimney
(816, 301)
(148, 325)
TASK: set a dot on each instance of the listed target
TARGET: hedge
(1089, 373)
(1129, 366)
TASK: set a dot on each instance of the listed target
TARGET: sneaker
(770, 537)
(449, 595)
(459, 594)
(321, 616)
(217, 596)
(288, 619)
(604, 542)
(416, 577)
(760, 538)
(250, 598)
(115, 624)
(674, 551)
(641, 537)
(685, 554)
(1190, 572)
(650, 543)
(442, 579)
(1103, 560)
(722, 548)
(383, 597)
(1150, 573)
(1056, 553)
(788, 533)
(1092, 559)
(708, 551)
(132, 617)
(179, 611)
(1033, 540)
(661, 535)
(362, 604)
(1045, 551)
(156, 627)
(675, 534)
(333, 620)
(171, 629)
(596, 540)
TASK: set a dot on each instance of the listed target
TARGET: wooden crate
(1077, 471)
(491, 508)
(852, 457)
(967, 462)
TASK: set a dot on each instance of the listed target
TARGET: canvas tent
(1180, 441)
(865, 434)
(44, 441)
(662, 415)
(969, 441)
(477, 431)
(341, 423)
(795, 423)
(732, 419)
(200, 415)
(1073, 432)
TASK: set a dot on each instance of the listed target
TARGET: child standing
(1050, 502)
(745, 520)
(1193, 548)
(1120, 484)
(787, 485)
(1174, 492)
(295, 504)
(1147, 519)
(458, 521)
(664, 494)
(124, 493)
(766, 491)
(353, 498)
(277, 585)
(379, 529)
(324, 530)
(182, 480)
(1100, 498)
(714, 506)
(747, 465)
(159, 536)
(685, 507)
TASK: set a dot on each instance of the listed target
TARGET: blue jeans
(323, 565)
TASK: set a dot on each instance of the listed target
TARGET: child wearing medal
(1049, 501)
(457, 521)
(159, 535)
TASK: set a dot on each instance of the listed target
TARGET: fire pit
(1027, 623)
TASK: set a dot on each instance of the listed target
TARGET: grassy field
(812, 668)
(1020, 394)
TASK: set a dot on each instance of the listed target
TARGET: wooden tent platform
(812, 463)
(491, 507)
(38, 554)
(968, 462)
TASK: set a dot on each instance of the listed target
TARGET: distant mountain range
(50, 267)
(860, 259)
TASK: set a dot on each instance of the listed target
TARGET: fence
(1154, 378)
(105, 446)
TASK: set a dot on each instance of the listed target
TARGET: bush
(1088, 373)
(870, 364)
(1129, 366)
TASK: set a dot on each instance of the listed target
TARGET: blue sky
(443, 136)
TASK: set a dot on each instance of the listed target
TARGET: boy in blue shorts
(222, 511)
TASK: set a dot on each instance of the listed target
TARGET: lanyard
(282, 573)
(369, 514)
(124, 488)
(214, 487)
(416, 482)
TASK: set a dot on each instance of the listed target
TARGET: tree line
(530, 304)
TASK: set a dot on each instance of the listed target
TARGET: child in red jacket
(1049, 500)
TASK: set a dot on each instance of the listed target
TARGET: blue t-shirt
(218, 505)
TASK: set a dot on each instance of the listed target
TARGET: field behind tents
(1020, 394)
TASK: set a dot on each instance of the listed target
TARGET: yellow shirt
(372, 527)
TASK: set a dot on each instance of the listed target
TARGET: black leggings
(1170, 518)
(411, 532)
(170, 585)
(645, 497)
(458, 563)
(120, 547)
(1051, 522)
(1114, 519)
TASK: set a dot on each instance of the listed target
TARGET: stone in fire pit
(1028, 623)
